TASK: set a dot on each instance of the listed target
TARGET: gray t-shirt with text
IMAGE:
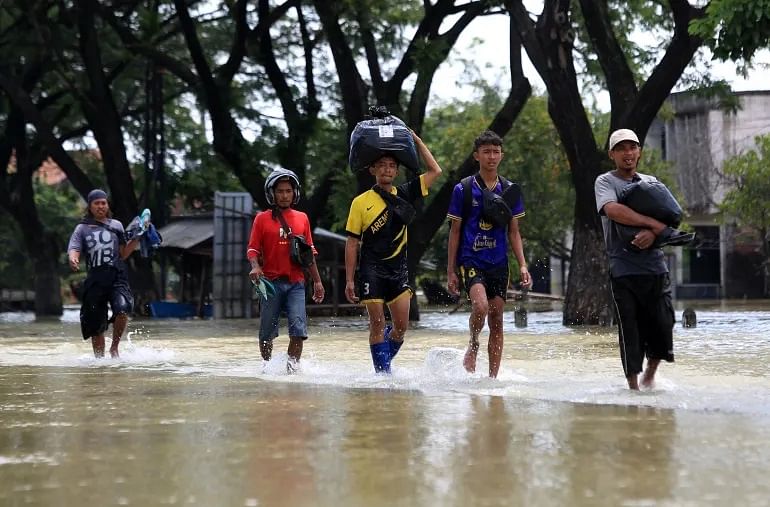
(623, 259)
(101, 245)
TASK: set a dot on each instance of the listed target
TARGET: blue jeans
(289, 298)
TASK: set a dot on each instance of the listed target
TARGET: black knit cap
(95, 194)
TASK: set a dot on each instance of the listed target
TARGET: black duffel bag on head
(381, 135)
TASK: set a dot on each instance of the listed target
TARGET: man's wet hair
(487, 137)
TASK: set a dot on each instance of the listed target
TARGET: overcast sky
(492, 57)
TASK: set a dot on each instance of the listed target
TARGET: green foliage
(747, 202)
(59, 212)
(194, 171)
(15, 266)
(735, 29)
(327, 154)
(59, 207)
(388, 21)
(643, 29)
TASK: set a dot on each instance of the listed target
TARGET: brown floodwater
(190, 415)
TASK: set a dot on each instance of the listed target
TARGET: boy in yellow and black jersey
(381, 230)
(377, 224)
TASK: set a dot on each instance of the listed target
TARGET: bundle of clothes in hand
(142, 227)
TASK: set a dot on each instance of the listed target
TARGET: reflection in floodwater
(191, 416)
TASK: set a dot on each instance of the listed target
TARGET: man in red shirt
(269, 255)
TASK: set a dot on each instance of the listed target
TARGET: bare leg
(295, 352)
(633, 382)
(376, 322)
(495, 345)
(648, 378)
(399, 312)
(479, 310)
(266, 349)
(118, 328)
(97, 342)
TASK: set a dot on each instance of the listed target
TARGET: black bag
(496, 207)
(384, 134)
(652, 199)
(300, 252)
(401, 207)
(655, 200)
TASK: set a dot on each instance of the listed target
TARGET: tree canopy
(185, 97)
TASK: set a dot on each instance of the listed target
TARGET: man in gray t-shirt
(102, 240)
(624, 260)
(638, 272)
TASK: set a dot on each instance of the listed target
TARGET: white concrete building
(697, 139)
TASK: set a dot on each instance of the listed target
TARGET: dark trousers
(645, 316)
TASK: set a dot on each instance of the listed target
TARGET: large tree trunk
(588, 299)
(17, 198)
(104, 118)
(45, 259)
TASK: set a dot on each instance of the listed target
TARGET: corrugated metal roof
(185, 233)
(320, 232)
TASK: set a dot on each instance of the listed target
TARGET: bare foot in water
(648, 377)
(292, 366)
(114, 348)
(469, 361)
(633, 382)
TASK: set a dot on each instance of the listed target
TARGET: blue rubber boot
(392, 344)
(381, 357)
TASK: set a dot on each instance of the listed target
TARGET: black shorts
(495, 280)
(645, 316)
(103, 286)
(382, 283)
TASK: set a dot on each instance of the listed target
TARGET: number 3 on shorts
(366, 288)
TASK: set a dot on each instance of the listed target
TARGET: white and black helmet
(276, 176)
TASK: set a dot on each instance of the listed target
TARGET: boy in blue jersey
(478, 251)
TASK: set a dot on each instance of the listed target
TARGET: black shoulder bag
(299, 251)
(400, 206)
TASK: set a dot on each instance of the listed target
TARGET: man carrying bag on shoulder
(275, 233)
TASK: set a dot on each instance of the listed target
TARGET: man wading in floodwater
(103, 242)
(638, 273)
(269, 255)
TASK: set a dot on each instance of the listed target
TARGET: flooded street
(190, 415)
